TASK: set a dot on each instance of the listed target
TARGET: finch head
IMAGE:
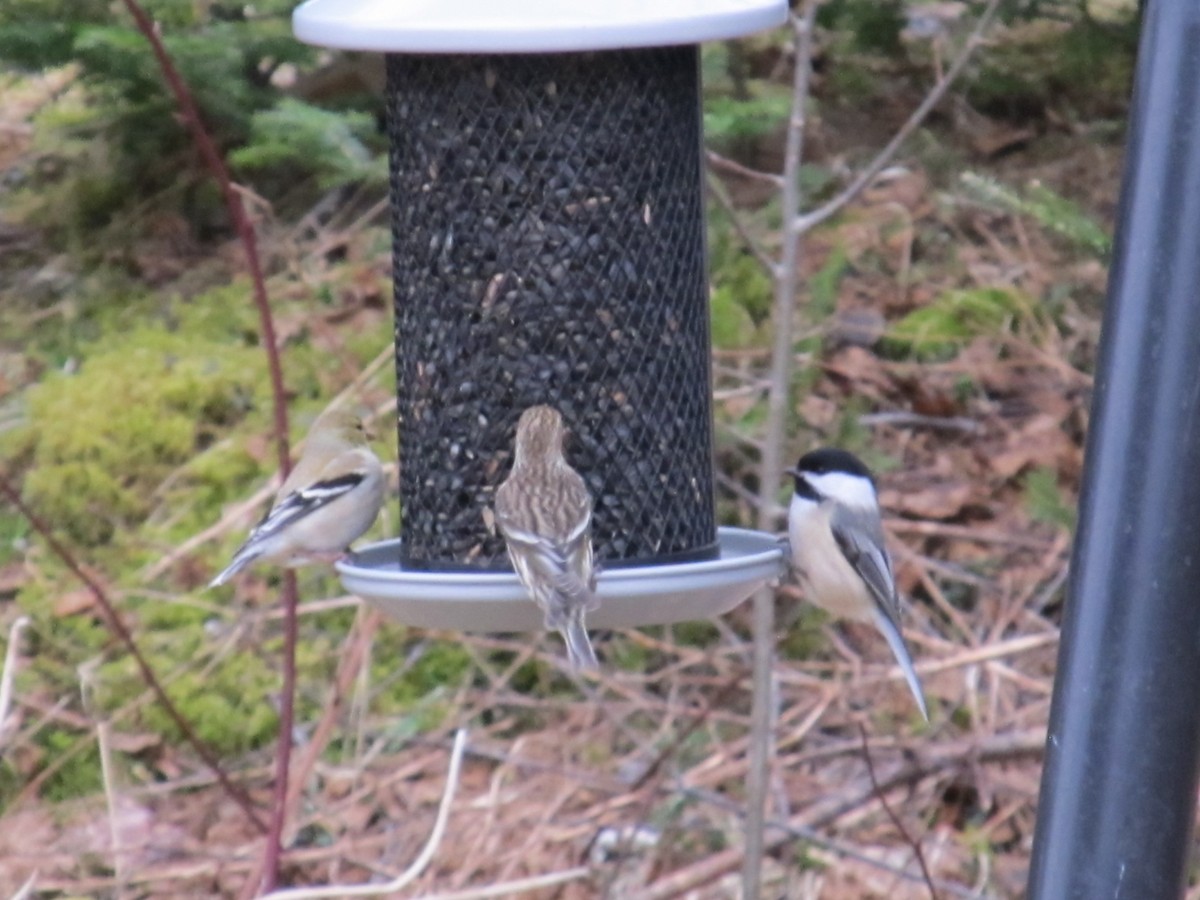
(540, 435)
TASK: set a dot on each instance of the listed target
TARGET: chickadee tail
(579, 646)
(241, 559)
(891, 633)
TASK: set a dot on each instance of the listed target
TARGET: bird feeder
(549, 247)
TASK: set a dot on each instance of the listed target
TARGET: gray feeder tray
(495, 601)
(548, 247)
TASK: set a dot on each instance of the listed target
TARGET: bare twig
(418, 865)
(905, 419)
(753, 244)
(87, 673)
(237, 214)
(778, 402)
(998, 748)
(235, 205)
(810, 220)
(517, 886)
(732, 166)
(909, 839)
(349, 666)
(783, 312)
(840, 848)
(123, 634)
(25, 890)
(9, 672)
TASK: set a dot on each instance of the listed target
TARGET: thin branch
(287, 719)
(809, 220)
(353, 657)
(930, 761)
(733, 167)
(718, 192)
(903, 419)
(784, 310)
(87, 686)
(761, 752)
(908, 838)
(26, 890)
(808, 835)
(245, 230)
(9, 672)
(237, 214)
(418, 865)
(126, 637)
(512, 888)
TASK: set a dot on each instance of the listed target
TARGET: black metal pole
(1118, 792)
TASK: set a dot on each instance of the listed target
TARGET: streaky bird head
(540, 435)
(830, 473)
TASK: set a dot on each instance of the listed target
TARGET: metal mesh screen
(549, 248)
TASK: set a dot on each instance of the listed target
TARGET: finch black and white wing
(331, 497)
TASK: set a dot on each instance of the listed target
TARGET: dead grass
(632, 786)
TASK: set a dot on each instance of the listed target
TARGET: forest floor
(631, 785)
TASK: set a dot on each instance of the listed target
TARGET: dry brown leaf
(943, 500)
(12, 578)
(72, 603)
(818, 412)
(864, 369)
(1041, 442)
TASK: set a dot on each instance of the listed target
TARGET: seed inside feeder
(549, 248)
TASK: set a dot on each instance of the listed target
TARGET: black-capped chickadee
(838, 548)
(544, 511)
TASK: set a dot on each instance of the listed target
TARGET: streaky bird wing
(548, 558)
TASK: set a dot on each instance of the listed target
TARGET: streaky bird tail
(579, 646)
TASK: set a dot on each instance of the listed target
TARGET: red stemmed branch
(245, 229)
(122, 632)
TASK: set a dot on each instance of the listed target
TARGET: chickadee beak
(792, 471)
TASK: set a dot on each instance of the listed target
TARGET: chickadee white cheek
(849, 490)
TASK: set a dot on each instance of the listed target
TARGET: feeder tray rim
(530, 26)
(496, 601)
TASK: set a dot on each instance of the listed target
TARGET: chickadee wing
(860, 538)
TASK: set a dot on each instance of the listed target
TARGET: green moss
(437, 665)
(80, 775)
(1044, 499)
(225, 704)
(700, 633)
(105, 437)
(943, 327)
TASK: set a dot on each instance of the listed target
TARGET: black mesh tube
(549, 248)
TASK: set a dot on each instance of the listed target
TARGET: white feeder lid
(495, 601)
(527, 26)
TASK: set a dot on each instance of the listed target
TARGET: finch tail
(891, 633)
(579, 646)
(246, 555)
